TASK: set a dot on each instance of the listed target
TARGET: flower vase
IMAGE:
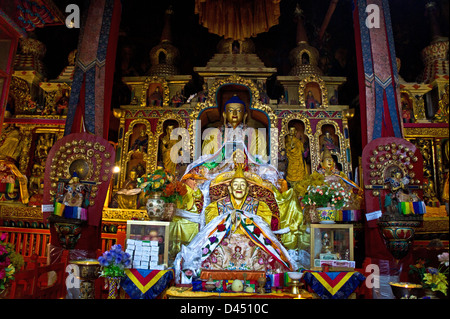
(430, 294)
(326, 215)
(114, 285)
(169, 211)
(155, 206)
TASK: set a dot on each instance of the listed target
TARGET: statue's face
(234, 113)
(133, 175)
(239, 188)
(292, 131)
(328, 163)
(169, 129)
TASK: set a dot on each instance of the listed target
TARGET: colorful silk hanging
(377, 69)
(90, 98)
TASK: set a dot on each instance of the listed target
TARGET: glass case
(148, 244)
(332, 245)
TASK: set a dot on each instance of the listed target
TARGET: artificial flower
(174, 192)
(443, 259)
(325, 195)
(114, 262)
(430, 277)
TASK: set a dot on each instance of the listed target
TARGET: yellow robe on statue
(291, 215)
(249, 204)
(182, 230)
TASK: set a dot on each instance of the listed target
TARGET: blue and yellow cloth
(146, 283)
(333, 285)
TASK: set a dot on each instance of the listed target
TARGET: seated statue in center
(220, 144)
(237, 235)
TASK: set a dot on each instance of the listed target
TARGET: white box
(153, 243)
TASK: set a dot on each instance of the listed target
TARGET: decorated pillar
(377, 70)
(79, 166)
(90, 98)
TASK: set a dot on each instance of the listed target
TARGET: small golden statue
(296, 168)
(167, 145)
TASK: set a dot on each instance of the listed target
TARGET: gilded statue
(42, 147)
(442, 115)
(327, 142)
(332, 174)
(311, 102)
(398, 186)
(10, 146)
(296, 168)
(237, 235)
(141, 142)
(235, 134)
(128, 196)
(10, 150)
(167, 145)
(155, 99)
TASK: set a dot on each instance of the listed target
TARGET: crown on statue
(234, 100)
(239, 172)
(326, 154)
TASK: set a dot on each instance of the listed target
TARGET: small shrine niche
(328, 139)
(313, 92)
(302, 136)
(313, 96)
(137, 141)
(155, 95)
(165, 144)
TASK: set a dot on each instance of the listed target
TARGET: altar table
(333, 285)
(175, 292)
(146, 283)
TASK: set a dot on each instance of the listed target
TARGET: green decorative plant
(326, 195)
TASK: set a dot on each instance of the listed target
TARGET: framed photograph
(148, 244)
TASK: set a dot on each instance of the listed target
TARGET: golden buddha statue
(166, 147)
(128, 196)
(10, 150)
(10, 146)
(332, 174)
(327, 164)
(235, 133)
(296, 168)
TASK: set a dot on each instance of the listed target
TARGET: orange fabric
(238, 20)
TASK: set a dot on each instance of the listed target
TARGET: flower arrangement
(430, 277)
(326, 195)
(114, 261)
(154, 182)
(9, 262)
(174, 192)
(314, 179)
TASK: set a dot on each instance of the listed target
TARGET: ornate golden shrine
(309, 103)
